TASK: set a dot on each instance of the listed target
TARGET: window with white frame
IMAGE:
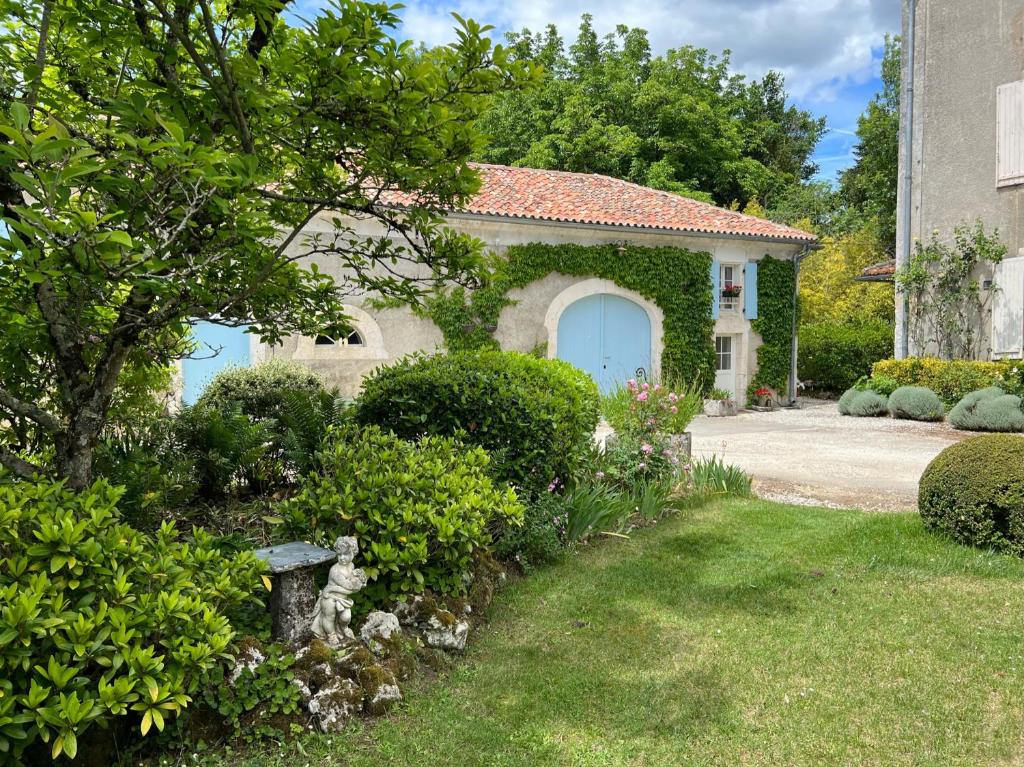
(1010, 134)
(729, 300)
(723, 353)
(344, 336)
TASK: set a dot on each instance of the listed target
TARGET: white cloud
(821, 46)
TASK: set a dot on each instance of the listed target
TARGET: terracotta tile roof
(586, 198)
(883, 271)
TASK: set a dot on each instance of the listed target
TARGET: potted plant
(764, 399)
(719, 403)
(729, 290)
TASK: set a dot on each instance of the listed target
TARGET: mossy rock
(354, 660)
(399, 656)
(434, 659)
(974, 493)
(381, 688)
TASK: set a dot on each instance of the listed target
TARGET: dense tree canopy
(159, 160)
(681, 121)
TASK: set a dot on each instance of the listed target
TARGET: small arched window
(343, 337)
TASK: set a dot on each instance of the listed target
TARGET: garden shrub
(539, 541)
(974, 492)
(535, 417)
(834, 355)
(262, 390)
(989, 409)
(847, 399)
(100, 620)
(916, 403)
(881, 384)
(867, 404)
(712, 476)
(952, 380)
(420, 510)
(641, 407)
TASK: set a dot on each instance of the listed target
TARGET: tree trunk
(77, 447)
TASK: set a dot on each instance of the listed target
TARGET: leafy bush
(834, 355)
(711, 476)
(594, 508)
(632, 460)
(535, 417)
(952, 380)
(974, 492)
(989, 409)
(262, 390)
(100, 620)
(866, 404)
(640, 408)
(420, 510)
(916, 403)
(880, 384)
(539, 541)
(847, 399)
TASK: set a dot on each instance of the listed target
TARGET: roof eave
(810, 241)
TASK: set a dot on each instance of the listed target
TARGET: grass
(742, 633)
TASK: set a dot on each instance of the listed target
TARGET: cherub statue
(333, 610)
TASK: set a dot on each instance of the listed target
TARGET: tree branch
(28, 410)
(18, 465)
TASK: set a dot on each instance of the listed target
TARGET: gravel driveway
(814, 455)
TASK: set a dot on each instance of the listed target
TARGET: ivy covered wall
(774, 322)
(676, 280)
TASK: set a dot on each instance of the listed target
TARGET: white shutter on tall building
(1008, 309)
(1010, 134)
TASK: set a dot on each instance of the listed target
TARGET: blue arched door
(607, 336)
(216, 348)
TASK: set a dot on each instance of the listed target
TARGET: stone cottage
(593, 320)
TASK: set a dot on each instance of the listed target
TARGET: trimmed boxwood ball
(916, 403)
(535, 417)
(989, 409)
(863, 404)
(974, 492)
(261, 390)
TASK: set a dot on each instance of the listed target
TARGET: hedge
(833, 356)
(974, 492)
(952, 380)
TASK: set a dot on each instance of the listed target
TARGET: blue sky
(829, 50)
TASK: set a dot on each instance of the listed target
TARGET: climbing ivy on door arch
(677, 280)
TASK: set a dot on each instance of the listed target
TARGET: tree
(869, 186)
(161, 161)
(680, 122)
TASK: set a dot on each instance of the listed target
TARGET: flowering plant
(764, 391)
(729, 290)
(642, 409)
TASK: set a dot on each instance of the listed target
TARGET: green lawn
(743, 633)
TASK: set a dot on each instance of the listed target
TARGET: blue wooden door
(217, 347)
(608, 337)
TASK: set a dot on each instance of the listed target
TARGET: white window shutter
(1010, 134)
(1008, 308)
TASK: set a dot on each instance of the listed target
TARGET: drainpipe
(797, 258)
(903, 247)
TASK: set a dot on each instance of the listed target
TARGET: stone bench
(293, 596)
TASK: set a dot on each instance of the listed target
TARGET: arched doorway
(608, 336)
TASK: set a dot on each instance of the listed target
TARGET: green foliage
(158, 166)
(952, 380)
(974, 493)
(989, 409)
(676, 280)
(881, 384)
(916, 403)
(535, 417)
(262, 391)
(829, 290)
(942, 283)
(100, 620)
(632, 460)
(863, 403)
(711, 476)
(609, 106)
(595, 508)
(539, 541)
(833, 356)
(774, 322)
(256, 698)
(869, 187)
(641, 408)
(420, 510)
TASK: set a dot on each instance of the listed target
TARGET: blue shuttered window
(750, 291)
(716, 289)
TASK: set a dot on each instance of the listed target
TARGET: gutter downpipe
(797, 258)
(903, 253)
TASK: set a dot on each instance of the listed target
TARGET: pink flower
(645, 386)
(641, 397)
(675, 409)
(672, 397)
(554, 485)
(642, 466)
(599, 474)
(647, 449)
(657, 387)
